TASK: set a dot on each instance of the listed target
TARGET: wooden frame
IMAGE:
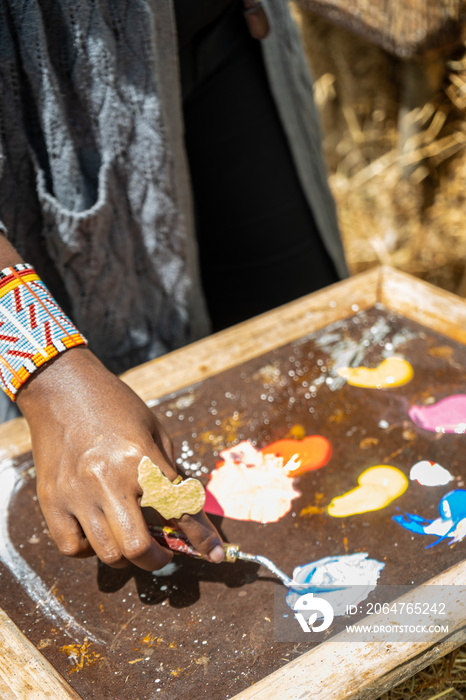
(334, 669)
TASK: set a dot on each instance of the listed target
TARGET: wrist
(33, 328)
(50, 379)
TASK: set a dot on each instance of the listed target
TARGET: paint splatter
(445, 416)
(297, 432)
(452, 521)
(345, 351)
(394, 371)
(430, 474)
(250, 486)
(79, 655)
(354, 574)
(11, 479)
(378, 486)
(313, 452)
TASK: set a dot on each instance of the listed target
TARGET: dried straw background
(415, 223)
(401, 206)
(444, 679)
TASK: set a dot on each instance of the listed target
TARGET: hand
(89, 432)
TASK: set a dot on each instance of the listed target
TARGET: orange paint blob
(313, 452)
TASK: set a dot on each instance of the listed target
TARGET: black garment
(198, 22)
(192, 16)
(258, 243)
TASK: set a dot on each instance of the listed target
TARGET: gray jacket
(94, 187)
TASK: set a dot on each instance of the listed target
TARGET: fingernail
(217, 554)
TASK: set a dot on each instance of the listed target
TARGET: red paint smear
(211, 504)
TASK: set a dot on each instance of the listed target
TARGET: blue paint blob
(453, 505)
(452, 521)
(412, 522)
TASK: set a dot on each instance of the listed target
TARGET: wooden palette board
(211, 394)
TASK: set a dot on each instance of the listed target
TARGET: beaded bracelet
(33, 328)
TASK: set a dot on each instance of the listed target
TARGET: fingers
(202, 535)
(102, 516)
(164, 443)
(197, 528)
(117, 539)
(68, 535)
(102, 542)
(117, 530)
(132, 538)
(162, 454)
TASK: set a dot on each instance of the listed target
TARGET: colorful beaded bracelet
(33, 328)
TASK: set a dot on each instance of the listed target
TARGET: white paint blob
(429, 473)
(343, 580)
(250, 485)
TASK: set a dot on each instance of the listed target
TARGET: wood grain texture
(5, 691)
(24, 673)
(15, 438)
(430, 306)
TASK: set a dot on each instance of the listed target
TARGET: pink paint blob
(445, 416)
(250, 486)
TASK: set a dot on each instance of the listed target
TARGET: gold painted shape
(169, 499)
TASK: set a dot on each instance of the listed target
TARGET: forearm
(8, 254)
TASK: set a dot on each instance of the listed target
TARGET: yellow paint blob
(394, 371)
(378, 486)
(297, 432)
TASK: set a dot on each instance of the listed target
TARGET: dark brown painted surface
(206, 630)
